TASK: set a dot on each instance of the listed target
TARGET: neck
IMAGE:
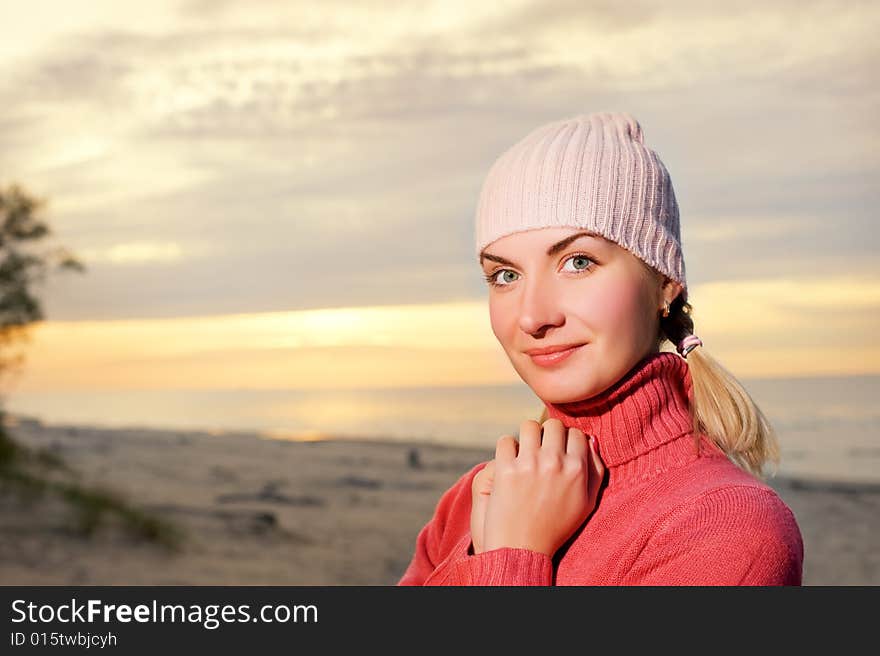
(639, 421)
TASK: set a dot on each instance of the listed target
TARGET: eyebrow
(555, 248)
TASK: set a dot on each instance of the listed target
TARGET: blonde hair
(721, 408)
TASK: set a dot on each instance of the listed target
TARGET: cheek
(501, 320)
(614, 307)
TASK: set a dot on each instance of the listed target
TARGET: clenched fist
(537, 492)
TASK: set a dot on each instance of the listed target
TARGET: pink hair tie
(688, 344)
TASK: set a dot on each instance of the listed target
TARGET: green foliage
(20, 269)
(32, 474)
(23, 268)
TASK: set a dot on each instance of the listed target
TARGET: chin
(557, 387)
(564, 396)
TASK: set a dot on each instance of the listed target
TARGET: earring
(666, 309)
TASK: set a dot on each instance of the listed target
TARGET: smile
(552, 359)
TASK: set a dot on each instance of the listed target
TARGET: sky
(282, 195)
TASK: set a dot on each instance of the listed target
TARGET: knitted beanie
(590, 171)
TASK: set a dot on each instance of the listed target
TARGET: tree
(21, 269)
(31, 472)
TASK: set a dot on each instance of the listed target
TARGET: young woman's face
(553, 288)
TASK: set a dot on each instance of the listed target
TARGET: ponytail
(721, 407)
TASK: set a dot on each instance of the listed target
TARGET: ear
(671, 289)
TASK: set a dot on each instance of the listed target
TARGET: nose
(539, 306)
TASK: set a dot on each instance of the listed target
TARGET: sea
(828, 427)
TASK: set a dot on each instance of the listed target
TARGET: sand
(258, 511)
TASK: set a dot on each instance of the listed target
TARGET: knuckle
(573, 465)
(527, 425)
(551, 463)
(526, 466)
(504, 472)
(553, 422)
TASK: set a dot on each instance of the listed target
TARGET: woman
(578, 236)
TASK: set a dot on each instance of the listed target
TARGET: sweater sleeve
(736, 535)
(444, 551)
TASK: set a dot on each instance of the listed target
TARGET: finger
(477, 483)
(486, 477)
(482, 483)
(554, 436)
(597, 459)
(576, 444)
(505, 449)
(529, 438)
(482, 487)
(489, 469)
(596, 471)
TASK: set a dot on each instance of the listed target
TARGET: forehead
(549, 240)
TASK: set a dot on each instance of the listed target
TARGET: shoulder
(739, 505)
(713, 522)
(717, 493)
(743, 527)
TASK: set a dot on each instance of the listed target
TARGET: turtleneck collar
(639, 421)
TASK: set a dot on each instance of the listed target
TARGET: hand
(542, 489)
(481, 488)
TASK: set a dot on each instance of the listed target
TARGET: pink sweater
(667, 514)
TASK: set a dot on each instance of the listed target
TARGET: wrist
(519, 544)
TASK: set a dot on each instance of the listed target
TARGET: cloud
(260, 71)
(140, 252)
(752, 227)
(782, 327)
(297, 160)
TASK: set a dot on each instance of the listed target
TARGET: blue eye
(584, 263)
(492, 278)
(582, 258)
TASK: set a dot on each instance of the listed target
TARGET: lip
(552, 355)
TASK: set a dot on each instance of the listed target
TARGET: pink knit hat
(590, 171)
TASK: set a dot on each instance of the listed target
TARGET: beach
(258, 511)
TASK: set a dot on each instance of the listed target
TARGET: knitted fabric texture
(673, 510)
(590, 171)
